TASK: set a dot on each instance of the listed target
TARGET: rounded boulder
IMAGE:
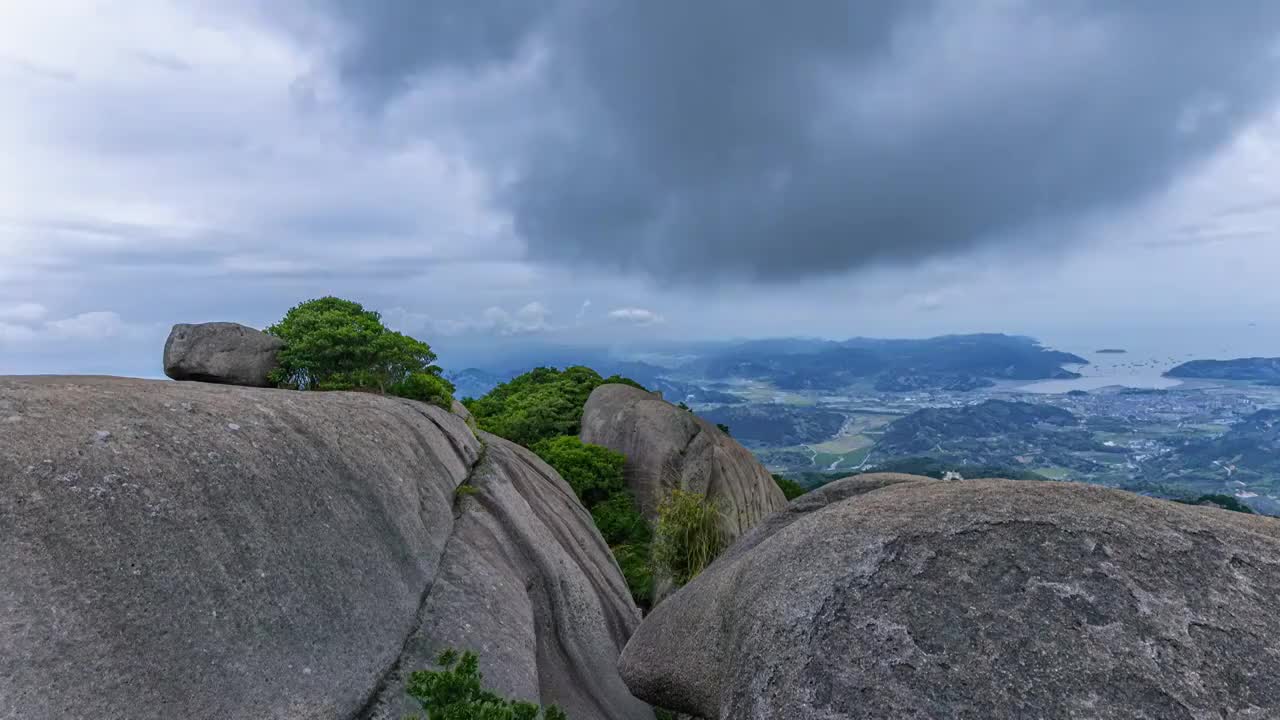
(986, 599)
(221, 352)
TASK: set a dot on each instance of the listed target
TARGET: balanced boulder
(205, 551)
(900, 598)
(668, 447)
(221, 352)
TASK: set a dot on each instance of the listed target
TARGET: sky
(616, 173)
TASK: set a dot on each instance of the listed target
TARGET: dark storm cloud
(773, 141)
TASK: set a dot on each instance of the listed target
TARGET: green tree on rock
(336, 344)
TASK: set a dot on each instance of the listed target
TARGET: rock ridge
(214, 551)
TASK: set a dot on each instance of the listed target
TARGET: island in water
(1258, 369)
(1111, 351)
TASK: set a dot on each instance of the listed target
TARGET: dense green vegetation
(595, 474)
(1226, 502)
(540, 404)
(456, 692)
(336, 344)
(688, 536)
(790, 488)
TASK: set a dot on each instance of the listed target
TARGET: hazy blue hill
(474, 382)
(992, 433)
(1254, 368)
(953, 361)
(777, 425)
(911, 382)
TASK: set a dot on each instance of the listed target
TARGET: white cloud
(11, 334)
(95, 325)
(635, 316)
(532, 318)
(25, 312)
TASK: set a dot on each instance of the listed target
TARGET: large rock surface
(221, 352)
(901, 598)
(207, 551)
(668, 447)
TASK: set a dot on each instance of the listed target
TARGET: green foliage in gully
(688, 536)
(542, 410)
(595, 474)
(456, 692)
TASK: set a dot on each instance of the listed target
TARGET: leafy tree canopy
(594, 472)
(335, 344)
(540, 404)
(426, 387)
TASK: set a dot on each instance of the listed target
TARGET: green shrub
(1226, 502)
(455, 692)
(790, 488)
(620, 522)
(594, 472)
(335, 344)
(688, 536)
(724, 429)
(636, 563)
(426, 387)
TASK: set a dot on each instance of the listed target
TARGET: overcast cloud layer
(714, 137)
(611, 172)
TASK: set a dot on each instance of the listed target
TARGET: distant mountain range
(949, 362)
(703, 372)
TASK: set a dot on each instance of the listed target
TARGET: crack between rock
(378, 697)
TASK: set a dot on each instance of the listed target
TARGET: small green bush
(620, 522)
(636, 563)
(426, 387)
(688, 536)
(455, 692)
(790, 488)
(1226, 502)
